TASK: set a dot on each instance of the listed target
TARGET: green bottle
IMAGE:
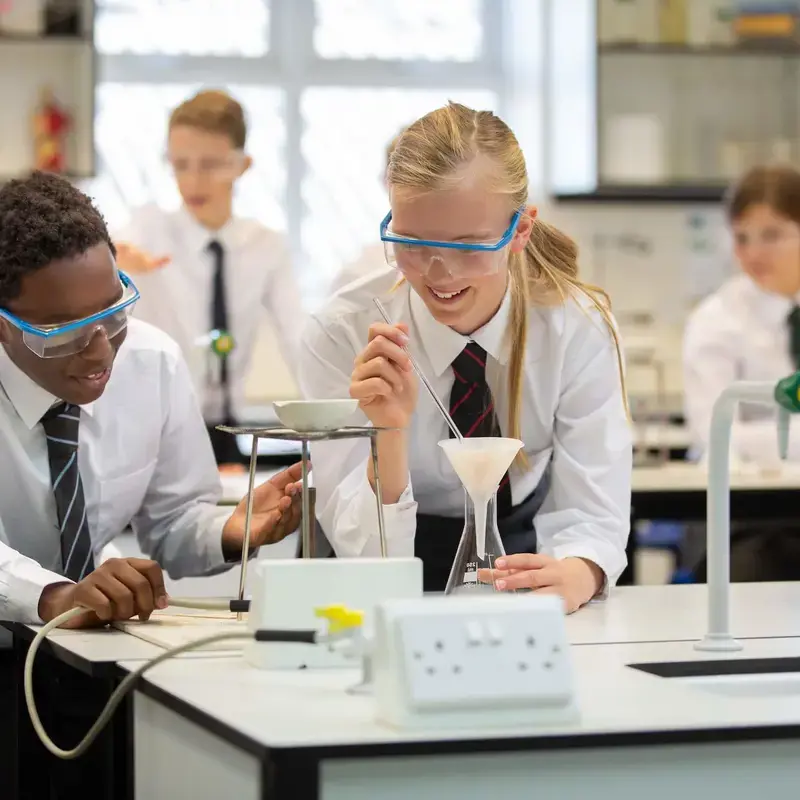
(787, 393)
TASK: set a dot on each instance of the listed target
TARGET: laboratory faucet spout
(786, 395)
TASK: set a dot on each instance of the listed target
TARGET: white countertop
(680, 476)
(308, 709)
(104, 646)
(632, 614)
(670, 477)
(673, 613)
(658, 436)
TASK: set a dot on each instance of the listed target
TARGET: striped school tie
(793, 321)
(61, 429)
(472, 408)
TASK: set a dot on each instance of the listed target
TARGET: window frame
(291, 65)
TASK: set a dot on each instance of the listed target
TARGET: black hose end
(303, 637)
(240, 606)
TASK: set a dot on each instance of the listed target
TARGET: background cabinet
(657, 100)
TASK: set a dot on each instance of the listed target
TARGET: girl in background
(492, 306)
(749, 329)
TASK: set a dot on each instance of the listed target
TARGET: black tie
(472, 408)
(794, 336)
(219, 322)
(61, 429)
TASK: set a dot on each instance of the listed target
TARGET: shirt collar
(230, 235)
(442, 344)
(770, 307)
(30, 401)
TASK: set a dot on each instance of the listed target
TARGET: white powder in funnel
(480, 465)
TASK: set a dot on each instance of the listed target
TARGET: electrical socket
(502, 659)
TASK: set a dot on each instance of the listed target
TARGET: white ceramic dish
(315, 415)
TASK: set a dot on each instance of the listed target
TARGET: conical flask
(471, 573)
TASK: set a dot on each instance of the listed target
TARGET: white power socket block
(498, 660)
(286, 593)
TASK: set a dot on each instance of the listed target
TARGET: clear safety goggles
(458, 259)
(766, 238)
(206, 167)
(69, 338)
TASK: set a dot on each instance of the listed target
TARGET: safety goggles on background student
(69, 338)
(770, 238)
(216, 168)
(459, 259)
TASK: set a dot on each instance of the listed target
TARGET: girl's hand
(576, 580)
(383, 379)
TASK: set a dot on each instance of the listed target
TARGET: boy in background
(201, 269)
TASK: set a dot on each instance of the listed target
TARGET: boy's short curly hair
(43, 218)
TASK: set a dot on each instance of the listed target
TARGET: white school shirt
(145, 460)
(572, 413)
(177, 298)
(740, 332)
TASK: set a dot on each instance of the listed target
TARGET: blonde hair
(212, 111)
(435, 149)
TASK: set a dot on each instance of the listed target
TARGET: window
(429, 30)
(183, 27)
(322, 103)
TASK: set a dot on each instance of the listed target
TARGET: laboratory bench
(257, 735)
(677, 491)
(251, 733)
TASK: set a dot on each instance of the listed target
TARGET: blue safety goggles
(66, 339)
(459, 259)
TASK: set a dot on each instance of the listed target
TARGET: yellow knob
(340, 618)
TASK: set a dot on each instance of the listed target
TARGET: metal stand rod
(373, 446)
(305, 521)
(248, 518)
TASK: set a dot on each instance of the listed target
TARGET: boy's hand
(134, 261)
(276, 513)
(119, 588)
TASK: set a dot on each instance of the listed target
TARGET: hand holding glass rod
(440, 405)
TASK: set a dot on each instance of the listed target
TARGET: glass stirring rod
(421, 375)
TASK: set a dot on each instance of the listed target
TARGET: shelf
(667, 193)
(35, 38)
(788, 50)
(70, 176)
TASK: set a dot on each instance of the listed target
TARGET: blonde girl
(488, 298)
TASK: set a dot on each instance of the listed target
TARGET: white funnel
(480, 464)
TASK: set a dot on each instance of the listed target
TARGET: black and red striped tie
(472, 408)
